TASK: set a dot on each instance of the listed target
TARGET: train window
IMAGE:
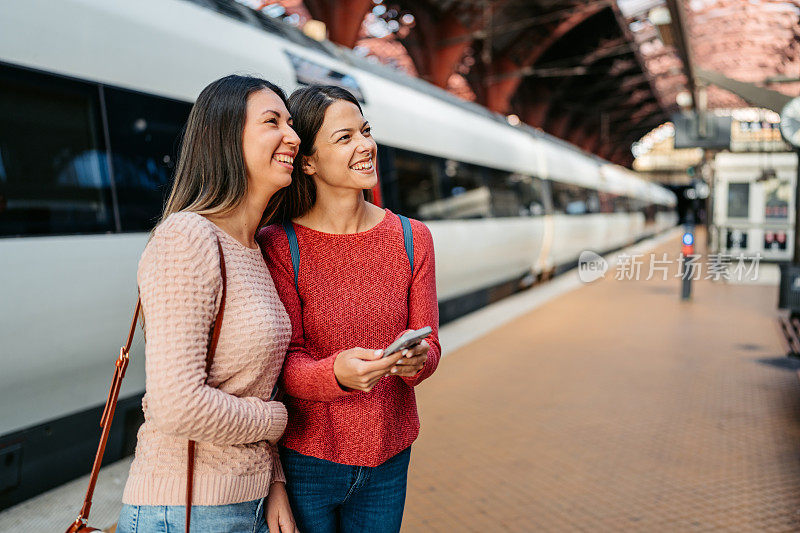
(570, 199)
(431, 188)
(308, 72)
(415, 181)
(530, 192)
(606, 201)
(538, 199)
(649, 213)
(270, 25)
(464, 192)
(592, 201)
(229, 9)
(144, 136)
(514, 194)
(612, 203)
(53, 172)
(738, 200)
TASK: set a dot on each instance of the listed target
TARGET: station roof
(597, 73)
(755, 41)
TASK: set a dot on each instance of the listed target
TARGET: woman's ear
(307, 166)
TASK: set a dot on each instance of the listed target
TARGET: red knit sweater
(353, 292)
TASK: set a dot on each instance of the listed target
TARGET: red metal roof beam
(507, 75)
(684, 50)
(342, 18)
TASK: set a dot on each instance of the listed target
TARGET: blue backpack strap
(408, 240)
(294, 248)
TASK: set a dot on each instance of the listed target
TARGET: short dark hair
(307, 107)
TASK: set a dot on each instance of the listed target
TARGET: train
(93, 98)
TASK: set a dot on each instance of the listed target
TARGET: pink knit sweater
(231, 418)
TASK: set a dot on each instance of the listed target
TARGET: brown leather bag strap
(121, 365)
(212, 347)
(113, 395)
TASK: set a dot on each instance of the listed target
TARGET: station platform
(603, 406)
(616, 407)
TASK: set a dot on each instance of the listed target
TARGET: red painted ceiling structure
(593, 72)
(756, 41)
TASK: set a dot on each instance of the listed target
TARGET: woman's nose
(366, 144)
(290, 137)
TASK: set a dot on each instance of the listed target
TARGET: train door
(544, 264)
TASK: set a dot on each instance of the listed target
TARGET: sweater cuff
(278, 418)
(331, 387)
(413, 380)
(277, 469)
(420, 376)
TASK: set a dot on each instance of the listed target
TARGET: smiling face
(269, 143)
(344, 150)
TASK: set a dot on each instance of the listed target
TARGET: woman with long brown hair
(353, 277)
(236, 153)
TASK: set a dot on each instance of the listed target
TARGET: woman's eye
(368, 132)
(272, 121)
(343, 137)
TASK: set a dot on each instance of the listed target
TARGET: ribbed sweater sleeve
(180, 286)
(303, 375)
(423, 308)
(277, 468)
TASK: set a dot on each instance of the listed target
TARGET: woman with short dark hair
(236, 153)
(353, 277)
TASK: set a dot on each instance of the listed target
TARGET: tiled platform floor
(616, 407)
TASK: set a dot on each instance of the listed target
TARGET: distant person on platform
(236, 154)
(351, 285)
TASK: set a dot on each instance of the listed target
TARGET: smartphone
(407, 340)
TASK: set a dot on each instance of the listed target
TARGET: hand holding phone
(407, 340)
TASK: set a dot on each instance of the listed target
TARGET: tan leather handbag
(80, 525)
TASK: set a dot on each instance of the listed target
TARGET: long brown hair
(307, 106)
(211, 176)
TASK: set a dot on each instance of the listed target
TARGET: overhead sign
(714, 133)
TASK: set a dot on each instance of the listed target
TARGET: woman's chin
(369, 182)
(283, 180)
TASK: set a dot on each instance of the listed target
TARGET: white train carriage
(93, 96)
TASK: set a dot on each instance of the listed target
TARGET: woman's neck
(243, 221)
(341, 211)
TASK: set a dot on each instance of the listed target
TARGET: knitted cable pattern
(227, 412)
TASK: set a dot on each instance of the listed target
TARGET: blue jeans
(329, 497)
(245, 517)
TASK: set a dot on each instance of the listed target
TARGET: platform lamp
(789, 296)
